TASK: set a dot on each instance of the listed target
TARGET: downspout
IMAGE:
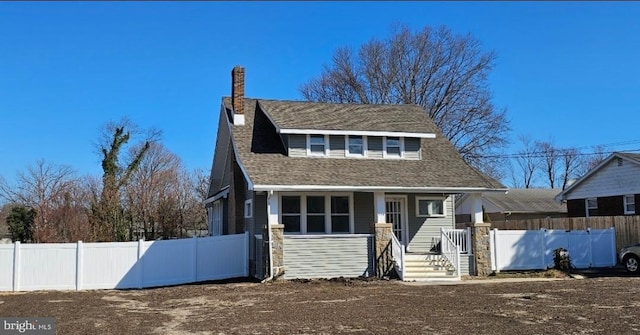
(270, 194)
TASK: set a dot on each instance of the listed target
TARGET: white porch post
(476, 207)
(272, 208)
(380, 206)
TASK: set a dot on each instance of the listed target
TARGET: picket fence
(534, 249)
(120, 265)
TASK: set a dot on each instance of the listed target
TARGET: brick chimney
(237, 94)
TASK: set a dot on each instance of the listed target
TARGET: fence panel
(534, 249)
(627, 227)
(75, 266)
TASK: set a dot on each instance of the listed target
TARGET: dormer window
(356, 146)
(392, 147)
(317, 145)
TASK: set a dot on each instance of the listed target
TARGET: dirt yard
(606, 305)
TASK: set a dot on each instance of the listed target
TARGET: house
(611, 188)
(515, 204)
(330, 190)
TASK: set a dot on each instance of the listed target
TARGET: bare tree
(444, 73)
(599, 154)
(527, 160)
(571, 163)
(51, 191)
(549, 157)
(108, 215)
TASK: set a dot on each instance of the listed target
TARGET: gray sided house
(609, 189)
(329, 190)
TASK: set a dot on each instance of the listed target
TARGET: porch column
(273, 235)
(380, 207)
(383, 233)
(480, 237)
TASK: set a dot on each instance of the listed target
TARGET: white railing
(451, 252)
(460, 237)
(397, 252)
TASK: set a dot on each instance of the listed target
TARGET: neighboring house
(611, 188)
(326, 190)
(515, 204)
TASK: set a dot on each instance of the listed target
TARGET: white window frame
(326, 146)
(364, 146)
(626, 203)
(430, 215)
(327, 210)
(248, 208)
(384, 147)
(586, 205)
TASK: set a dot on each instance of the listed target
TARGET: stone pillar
(383, 261)
(277, 233)
(481, 247)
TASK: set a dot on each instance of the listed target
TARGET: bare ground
(605, 305)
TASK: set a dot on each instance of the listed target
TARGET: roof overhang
(355, 133)
(404, 189)
(221, 194)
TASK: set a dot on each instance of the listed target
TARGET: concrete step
(427, 267)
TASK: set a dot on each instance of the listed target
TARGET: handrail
(397, 252)
(460, 237)
(450, 251)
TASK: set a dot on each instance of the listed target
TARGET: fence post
(246, 256)
(139, 263)
(544, 247)
(16, 266)
(614, 246)
(79, 260)
(195, 258)
(468, 242)
(494, 249)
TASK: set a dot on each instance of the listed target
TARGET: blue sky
(565, 70)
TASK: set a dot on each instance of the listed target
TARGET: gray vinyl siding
(374, 147)
(336, 146)
(467, 265)
(424, 233)
(363, 212)
(328, 256)
(297, 145)
(412, 148)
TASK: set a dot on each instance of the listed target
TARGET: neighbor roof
(527, 200)
(263, 157)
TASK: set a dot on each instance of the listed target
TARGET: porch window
(315, 214)
(429, 207)
(392, 147)
(317, 145)
(318, 213)
(629, 204)
(291, 214)
(592, 206)
(340, 214)
(355, 146)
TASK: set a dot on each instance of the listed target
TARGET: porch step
(427, 267)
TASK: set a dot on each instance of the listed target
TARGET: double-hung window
(317, 145)
(315, 214)
(429, 207)
(340, 214)
(291, 214)
(592, 206)
(356, 146)
(629, 204)
(392, 147)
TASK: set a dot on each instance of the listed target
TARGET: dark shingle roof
(264, 158)
(531, 200)
(634, 157)
(333, 116)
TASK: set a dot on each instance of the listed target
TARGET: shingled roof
(527, 200)
(262, 154)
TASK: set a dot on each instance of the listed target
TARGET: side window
(429, 207)
(355, 146)
(592, 206)
(393, 147)
(317, 145)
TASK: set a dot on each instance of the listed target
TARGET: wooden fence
(627, 227)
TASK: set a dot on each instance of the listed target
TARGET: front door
(395, 208)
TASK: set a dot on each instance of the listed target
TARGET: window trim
(364, 146)
(326, 145)
(385, 154)
(586, 205)
(327, 211)
(625, 203)
(248, 208)
(431, 198)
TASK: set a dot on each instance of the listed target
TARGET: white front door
(395, 214)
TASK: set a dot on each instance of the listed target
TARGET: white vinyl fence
(108, 265)
(533, 249)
